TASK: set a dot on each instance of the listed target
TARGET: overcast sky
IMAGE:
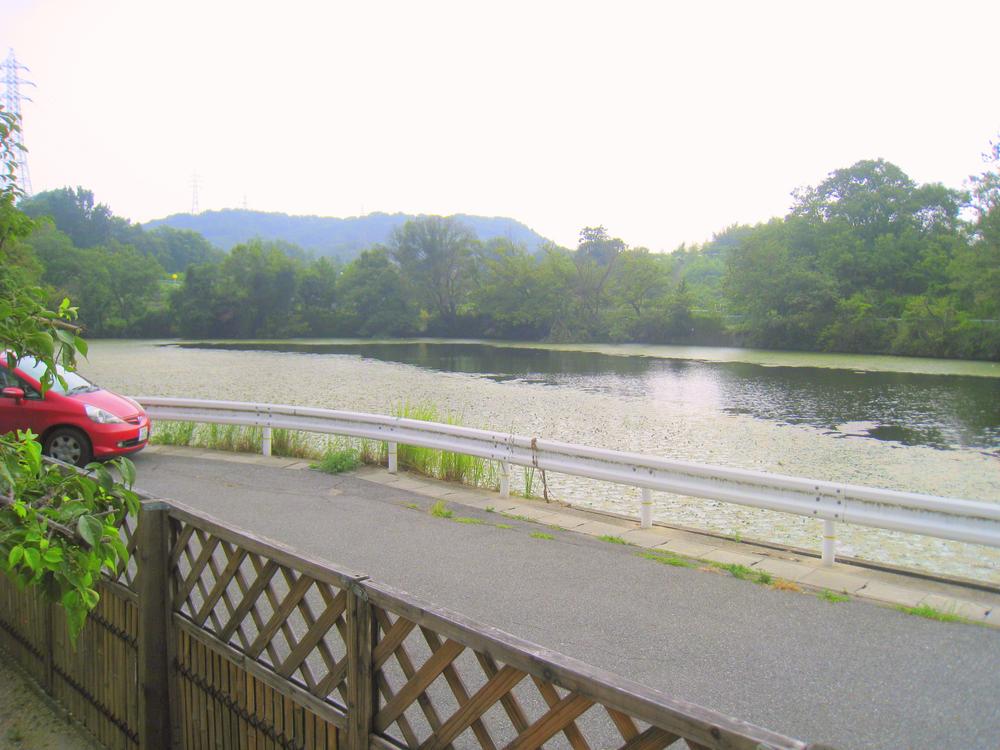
(663, 121)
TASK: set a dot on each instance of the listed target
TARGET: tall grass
(452, 467)
(446, 465)
(238, 438)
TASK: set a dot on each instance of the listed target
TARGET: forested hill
(328, 236)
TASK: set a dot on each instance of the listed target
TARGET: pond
(928, 426)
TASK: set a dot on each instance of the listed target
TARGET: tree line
(866, 261)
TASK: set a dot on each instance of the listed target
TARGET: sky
(665, 122)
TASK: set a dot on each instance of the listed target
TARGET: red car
(76, 423)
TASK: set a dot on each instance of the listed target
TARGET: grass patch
(515, 517)
(744, 573)
(440, 510)
(503, 526)
(612, 539)
(490, 509)
(469, 521)
(832, 596)
(925, 610)
(667, 558)
(237, 438)
(541, 535)
(336, 462)
(413, 506)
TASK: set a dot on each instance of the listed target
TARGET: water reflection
(941, 411)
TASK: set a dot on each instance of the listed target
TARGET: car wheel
(69, 445)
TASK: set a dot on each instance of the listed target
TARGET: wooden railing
(222, 639)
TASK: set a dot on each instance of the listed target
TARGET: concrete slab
(687, 547)
(729, 557)
(885, 592)
(951, 605)
(648, 537)
(599, 528)
(786, 569)
(835, 580)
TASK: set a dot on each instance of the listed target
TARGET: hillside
(326, 235)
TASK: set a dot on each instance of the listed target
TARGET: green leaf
(53, 555)
(15, 556)
(32, 558)
(91, 529)
(81, 346)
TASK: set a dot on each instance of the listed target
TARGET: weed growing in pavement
(667, 558)
(503, 526)
(925, 610)
(744, 573)
(335, 462)
(413, 506)
(832, 596)
(541, 535)
(515, 517)
(469, 521)
(440, 510)
(612, 539)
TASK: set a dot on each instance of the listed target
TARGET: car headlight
(102, 417)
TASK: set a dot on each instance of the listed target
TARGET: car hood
(110, 402)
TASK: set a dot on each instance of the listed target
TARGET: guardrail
(947, 518)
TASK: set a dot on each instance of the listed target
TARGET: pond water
(918, 425)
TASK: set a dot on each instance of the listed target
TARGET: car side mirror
(15, 393)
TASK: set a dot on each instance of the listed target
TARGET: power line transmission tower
(195, 184)
(12, 103)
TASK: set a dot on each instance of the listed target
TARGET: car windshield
(74, 383)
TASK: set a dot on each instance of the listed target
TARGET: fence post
(152, 583)
(646, 509)
(48, 650)
(504, 480)
(361, 696)
(829, 543)
(266, 442)
(392, 458)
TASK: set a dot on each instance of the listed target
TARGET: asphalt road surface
(852, 674)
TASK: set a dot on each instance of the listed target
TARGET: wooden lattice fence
(221, 639)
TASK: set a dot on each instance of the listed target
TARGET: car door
(28, 413)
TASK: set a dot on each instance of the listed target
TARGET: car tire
(68, 444)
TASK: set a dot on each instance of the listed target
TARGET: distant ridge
(326, 235)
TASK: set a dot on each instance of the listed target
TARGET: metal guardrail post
(393, 466)
(504, 480)
(646, 509)
(266, 442)
(829, 543)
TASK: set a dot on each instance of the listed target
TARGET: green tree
(434, 255)
(372, 298)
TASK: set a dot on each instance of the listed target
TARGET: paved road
(852, 674)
